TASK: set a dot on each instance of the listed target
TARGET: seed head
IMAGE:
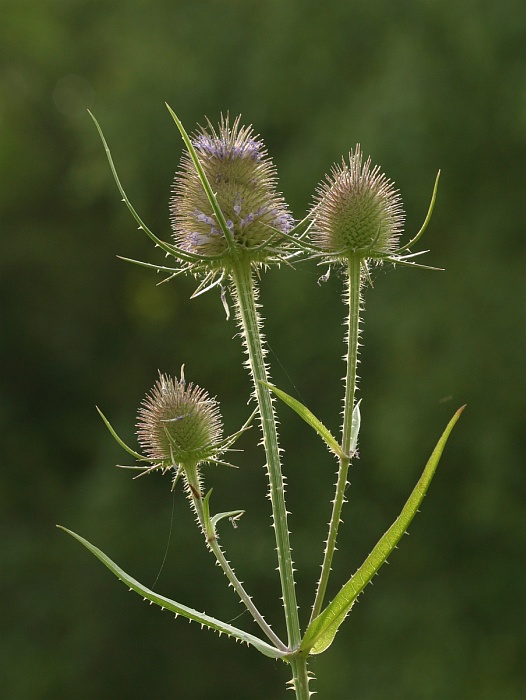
(243, 178)
(357, 210)
(178, 423)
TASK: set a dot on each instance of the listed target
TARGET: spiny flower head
(243, 178)
(179, 423)
(357, 211)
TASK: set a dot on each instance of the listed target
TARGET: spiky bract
(179, 423)
(243, 178)
(357, 211)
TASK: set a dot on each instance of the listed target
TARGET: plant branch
(196, 497)
(353, 333)
(250, 325)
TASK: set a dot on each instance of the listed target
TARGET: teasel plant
(357, 220)
(229, 223)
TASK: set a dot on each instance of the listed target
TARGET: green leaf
(311, 419)
(322, 630)
(211, 522)
(232, 515)
(178, 608)
(355, 427)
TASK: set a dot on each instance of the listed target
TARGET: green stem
(353, 332)
(195, 493)
(250, 324)
(300, 677)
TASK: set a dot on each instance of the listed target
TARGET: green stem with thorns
(250, 323)
(353, 333)
(300, 677)
(191, 477)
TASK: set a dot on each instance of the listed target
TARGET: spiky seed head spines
(357, 211)
(243, 177)
(178, 423)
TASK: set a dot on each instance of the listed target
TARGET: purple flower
(243, 177)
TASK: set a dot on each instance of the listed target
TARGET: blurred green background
(421, 85)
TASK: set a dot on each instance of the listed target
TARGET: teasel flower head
(178, 427)
(357, 211)
(243, 179)
(179, 423)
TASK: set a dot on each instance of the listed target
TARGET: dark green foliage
(421, 85)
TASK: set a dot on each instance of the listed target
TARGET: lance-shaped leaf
(310, 419)
(322, 630)
(178, 608)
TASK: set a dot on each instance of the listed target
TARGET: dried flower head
(357, 211)
(243, 178)
(179, 423)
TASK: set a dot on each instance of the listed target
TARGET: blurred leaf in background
(421, 85)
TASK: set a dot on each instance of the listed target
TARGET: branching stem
(208, 529)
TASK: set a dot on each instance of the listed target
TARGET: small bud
(357, 211)
(243, 179)
(178, 423)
